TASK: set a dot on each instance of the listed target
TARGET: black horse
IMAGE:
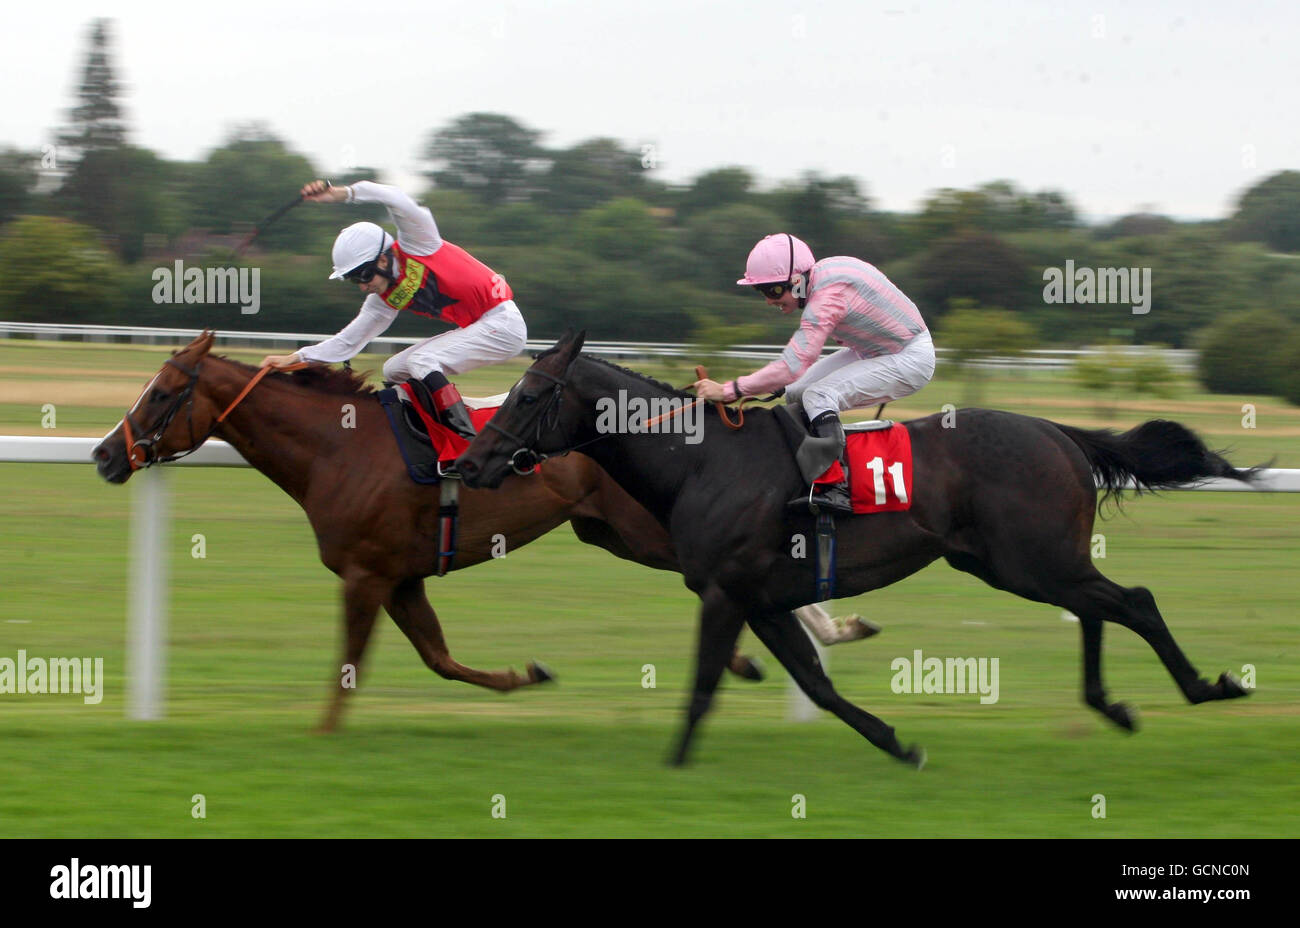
(1008, 498)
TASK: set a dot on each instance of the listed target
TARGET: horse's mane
(642, 377)
(335, 381)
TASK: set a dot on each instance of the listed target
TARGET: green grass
(254, 638)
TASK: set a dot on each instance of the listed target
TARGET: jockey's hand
(709, 390)
(279, 361)
(320, 191)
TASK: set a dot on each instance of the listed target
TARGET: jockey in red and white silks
(421, 273)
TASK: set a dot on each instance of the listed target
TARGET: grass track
(255, 631)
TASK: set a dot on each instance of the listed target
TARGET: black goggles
(773, 291)
(365, 273)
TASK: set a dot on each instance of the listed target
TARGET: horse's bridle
(526, 457)
(145, 446)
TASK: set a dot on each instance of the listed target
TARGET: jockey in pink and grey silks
(887, 352)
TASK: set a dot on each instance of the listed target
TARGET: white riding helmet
(358, 244)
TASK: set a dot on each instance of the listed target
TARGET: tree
(247, 178)
(1137, 225)
(17, 177)
(52, 264)
(1270, 212)
(487, 154)
(622, 230)
(517, 224)
(722, 239)
(1113, 373)
(975, 265)
(815, 207)
(972, 332)
(127, 194)
(1290, 380)
(998, 207)
(1244, 353)
(96, 121)
(592, 173)
(713, 189)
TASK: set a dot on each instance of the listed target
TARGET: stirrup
(813, 506)
(449, 473)
(827, 503)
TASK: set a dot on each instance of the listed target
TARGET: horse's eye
(527, 399)
(159, 396)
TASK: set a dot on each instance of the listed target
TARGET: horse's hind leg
(1094, 691)
(414, 615)
(1098, 598)
(361, 598)
(788, 642)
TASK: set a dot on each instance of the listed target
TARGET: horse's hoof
(1231, 687)
(1122, 715)
(539, 673)
(748, 668)
(856, 628)
(915, 756)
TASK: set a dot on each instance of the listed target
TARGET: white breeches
(845, 381)
(498, 335)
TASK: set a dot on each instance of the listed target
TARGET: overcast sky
(1170, 106)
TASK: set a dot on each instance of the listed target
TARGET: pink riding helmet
(776, 259)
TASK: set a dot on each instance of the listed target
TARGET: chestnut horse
(375, 528)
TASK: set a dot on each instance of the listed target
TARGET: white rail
(1038, 358)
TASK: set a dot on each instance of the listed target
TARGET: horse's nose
(468, 471)
(101, 454)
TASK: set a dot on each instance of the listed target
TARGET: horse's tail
(1156, 455)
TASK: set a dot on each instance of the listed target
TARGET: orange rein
(132, 447)
(701, 373)
(248, 388)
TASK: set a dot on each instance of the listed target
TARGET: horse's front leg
(411, 610)
(362, 594)
(720, 622)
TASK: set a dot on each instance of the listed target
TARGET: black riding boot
(831, 496)
(448, 405)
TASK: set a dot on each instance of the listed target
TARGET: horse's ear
(569, 343)
(201, 345)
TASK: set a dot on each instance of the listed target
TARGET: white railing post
(147, 597)
(799, 708)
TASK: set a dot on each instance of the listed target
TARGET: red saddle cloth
(447, 443)
(880, 470)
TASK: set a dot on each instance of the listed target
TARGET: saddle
(427, 444)
(819, 461)
(816, 457)
(423, 441)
